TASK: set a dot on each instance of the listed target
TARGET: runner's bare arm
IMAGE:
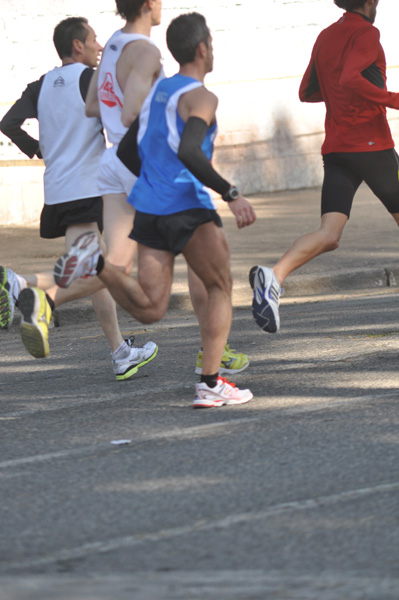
(92, 103)
(200, 103)
(141, 68)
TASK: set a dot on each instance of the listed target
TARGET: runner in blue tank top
(165, 185)
(174, 212)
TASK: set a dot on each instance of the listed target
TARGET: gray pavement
(293, 496)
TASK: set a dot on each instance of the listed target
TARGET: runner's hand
(243, 211)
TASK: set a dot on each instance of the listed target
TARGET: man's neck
(141, 25)
(362, 12)
(70, 60)
(193, 70)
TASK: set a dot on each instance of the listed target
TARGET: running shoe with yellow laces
(36, 316)
(232, 362)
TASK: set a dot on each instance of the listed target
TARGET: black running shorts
(170, 232)
(345, 171)
(55, 218)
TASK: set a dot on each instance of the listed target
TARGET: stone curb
(350, 279)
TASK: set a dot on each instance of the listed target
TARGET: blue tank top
(165, 185)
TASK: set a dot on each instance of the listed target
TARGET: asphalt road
(293, 496)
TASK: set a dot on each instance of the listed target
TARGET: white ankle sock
(19, 283)
(122, 351)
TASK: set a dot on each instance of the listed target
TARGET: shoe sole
(222, 402)
(64, 270)
(265, 319)
(223, 371)
(133, 370)
(252, 276)
(31, 334)
(65, 267)
(204, 404)
(5, 306)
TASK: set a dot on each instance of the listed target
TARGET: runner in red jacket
(347, 72)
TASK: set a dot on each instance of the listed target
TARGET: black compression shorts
(345, 171)
(170, 232)
(55, 218)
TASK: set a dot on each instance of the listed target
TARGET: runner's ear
(77, 46)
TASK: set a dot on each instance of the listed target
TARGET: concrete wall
(267, 139)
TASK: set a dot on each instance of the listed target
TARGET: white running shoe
(80, 261)
(124, 368)
(223, 393)
(11, 286)
(266, 299)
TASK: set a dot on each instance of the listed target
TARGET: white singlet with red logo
(109, 92)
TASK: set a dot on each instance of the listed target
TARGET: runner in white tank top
(113, 177)
(110, 94)
(140, 60)
(130, 65)
(65, 177)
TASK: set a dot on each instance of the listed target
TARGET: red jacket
(347, 71)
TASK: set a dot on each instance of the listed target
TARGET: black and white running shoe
(266, 298)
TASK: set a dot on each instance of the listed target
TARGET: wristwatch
(231, 194)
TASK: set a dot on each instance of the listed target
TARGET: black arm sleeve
(194, 158)
(128, 151)
(84, 82)
(309, 90)
(374, 75)
(24, 108)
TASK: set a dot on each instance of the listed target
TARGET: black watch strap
(231, 194)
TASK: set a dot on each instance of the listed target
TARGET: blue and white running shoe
(266, 299)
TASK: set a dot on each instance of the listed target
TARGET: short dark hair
(350, 4)
(129, 9)
(184, 34)
(73, 28)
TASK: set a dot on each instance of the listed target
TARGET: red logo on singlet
(107, 93)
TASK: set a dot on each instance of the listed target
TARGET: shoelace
(228, 349)
(130, 341)
(225, 380)
(274, 292)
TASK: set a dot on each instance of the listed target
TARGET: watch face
(234, 193)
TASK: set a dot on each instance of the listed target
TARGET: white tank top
(71, 144)
(109, 92)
